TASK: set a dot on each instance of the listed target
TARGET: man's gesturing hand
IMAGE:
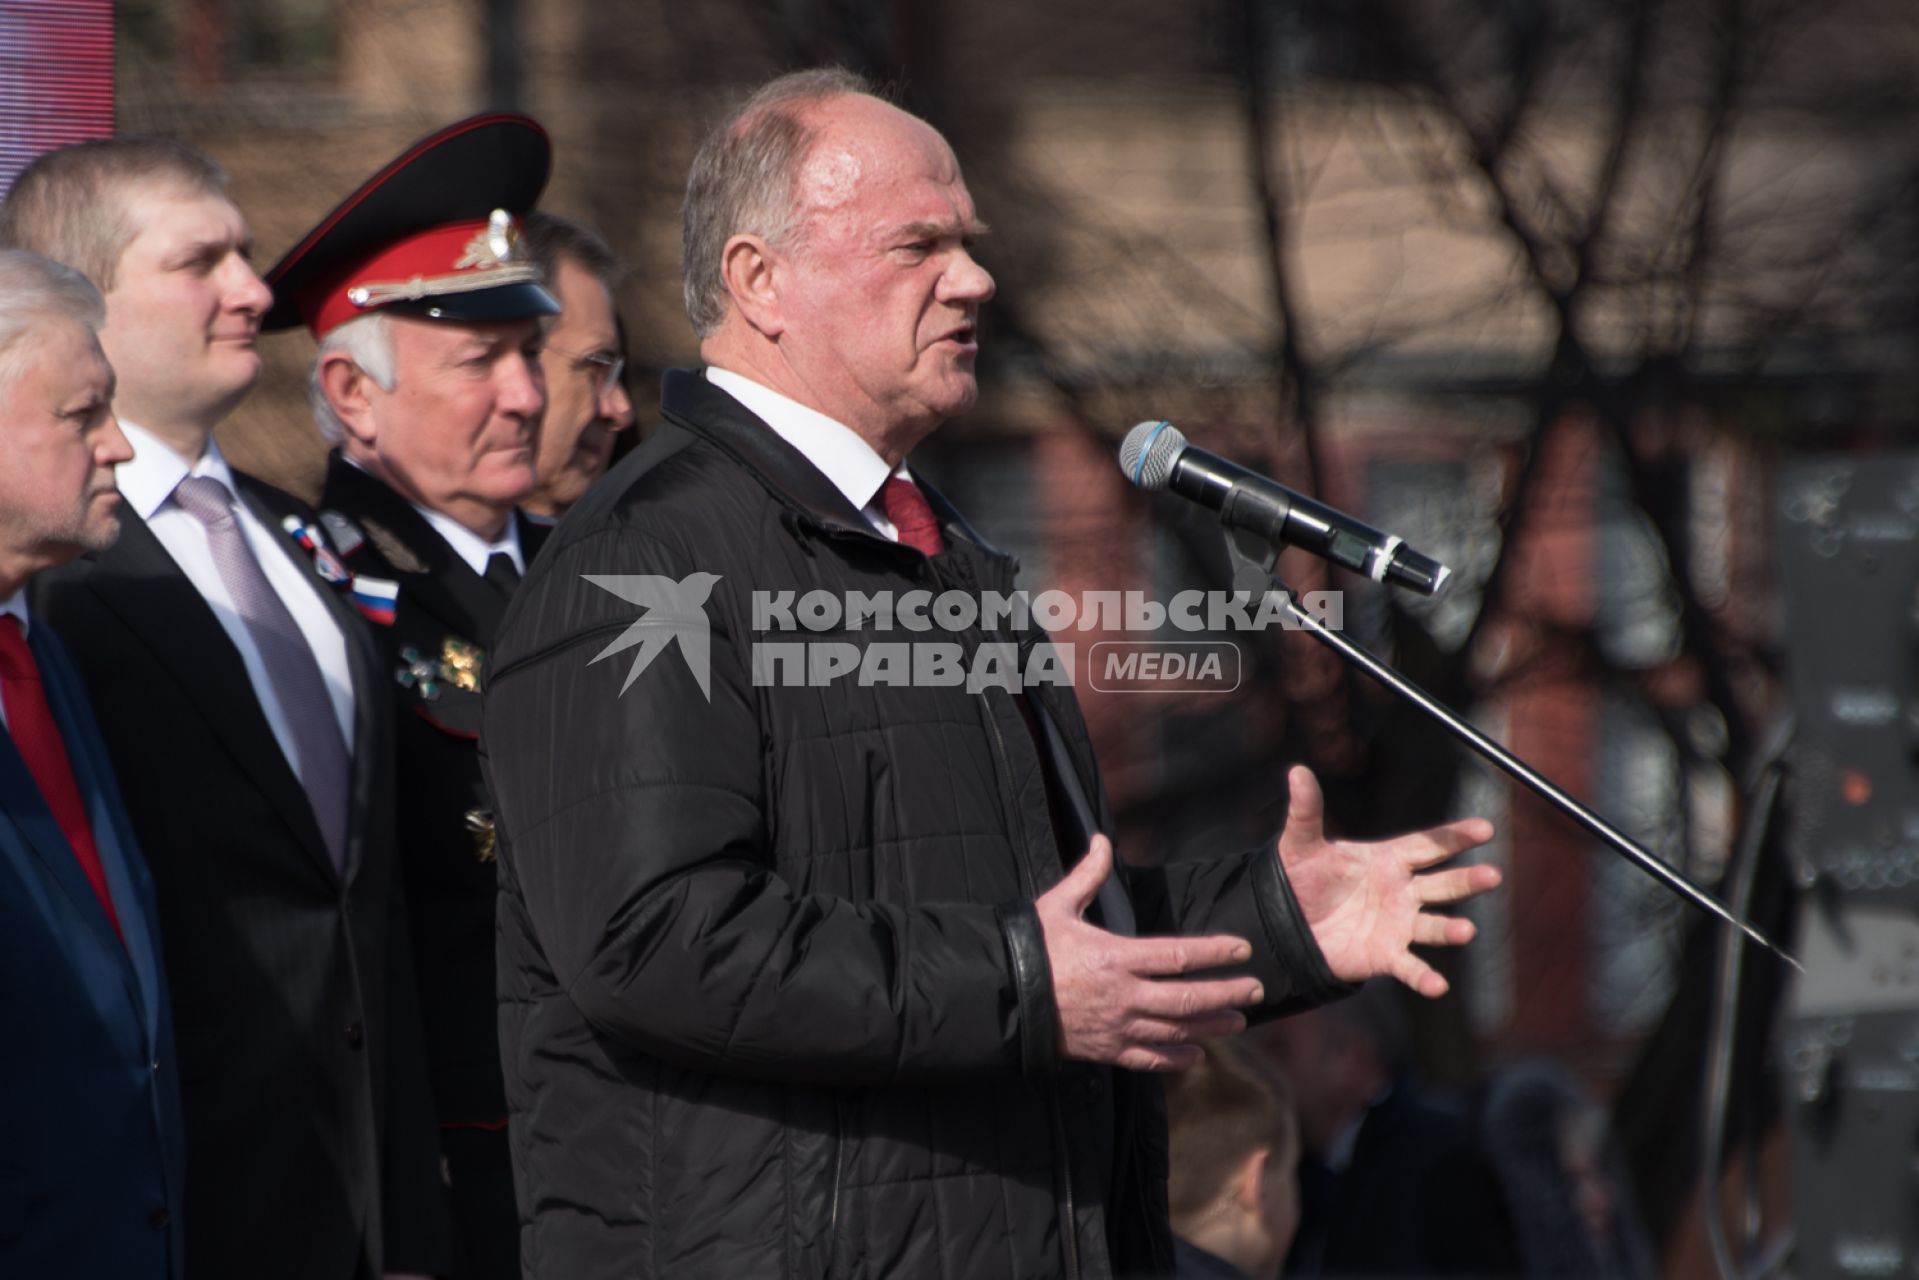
(1365, 903)
(1123, 1000)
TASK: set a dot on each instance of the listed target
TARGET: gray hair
(36, 291)
(367, 341)
(743, 180)
(74, 204)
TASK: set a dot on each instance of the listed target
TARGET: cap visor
(521, 301)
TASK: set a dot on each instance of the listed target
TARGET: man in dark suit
(428, 316)
(249, 720)
(90, 1148)
(1391, 1181)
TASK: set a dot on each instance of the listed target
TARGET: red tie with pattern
(907, 508)
(37, 737)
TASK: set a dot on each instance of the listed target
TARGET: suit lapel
(114, 843)
(437, 580)
(112, 838)
(363, 668)
(22, 804)
(20, 798)
(370, 696)
(468, 605)
(140, 582)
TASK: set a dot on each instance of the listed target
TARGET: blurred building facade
(1555, 331)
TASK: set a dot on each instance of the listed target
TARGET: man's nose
(523, 389)
(965, 280)
(616, 406)
(246, 291)
(113, 447)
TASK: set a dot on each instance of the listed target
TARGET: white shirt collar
(16, 604)
(156, 470)
(839, 452)
(470, 546)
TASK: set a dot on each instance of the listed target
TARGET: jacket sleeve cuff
(1032, 988)
(1291, 941)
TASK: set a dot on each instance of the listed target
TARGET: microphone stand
(1253, 560)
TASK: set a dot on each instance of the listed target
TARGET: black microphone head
(1149, 452)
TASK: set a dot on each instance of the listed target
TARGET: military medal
(419, 673)
(460, 664)
(485, 840)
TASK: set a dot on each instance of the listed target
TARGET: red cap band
(459, 257)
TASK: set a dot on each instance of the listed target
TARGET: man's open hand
(1124, 1000)
(1366, 903)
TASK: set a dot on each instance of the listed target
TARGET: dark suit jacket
(302, 1068)
(90, 1144)
(452, 883)
(1417, 1199)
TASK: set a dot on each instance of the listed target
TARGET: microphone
(1156, 456)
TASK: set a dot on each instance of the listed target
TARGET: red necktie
(907, 508)
(31, 725)
(913, 516)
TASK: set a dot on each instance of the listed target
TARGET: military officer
(428, 381)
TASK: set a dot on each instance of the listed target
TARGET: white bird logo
(675, 611)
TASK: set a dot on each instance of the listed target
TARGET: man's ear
(348, 388)
(746, 265)
(1248, 1183)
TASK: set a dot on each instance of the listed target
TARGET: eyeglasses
(606, 368)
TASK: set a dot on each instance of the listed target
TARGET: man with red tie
(90, 1143)
(248, 717)
(813, 960)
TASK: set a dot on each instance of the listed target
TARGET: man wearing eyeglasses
(586, 401)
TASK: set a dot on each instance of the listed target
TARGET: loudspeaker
(1847, 536)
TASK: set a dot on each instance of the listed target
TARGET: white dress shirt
(841, 455)
(15, 604)
(147, 483)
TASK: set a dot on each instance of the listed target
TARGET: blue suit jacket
(90, 1139)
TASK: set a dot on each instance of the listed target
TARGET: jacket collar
(357, 494)
(435, 576)
(364, 493)
(688, 399)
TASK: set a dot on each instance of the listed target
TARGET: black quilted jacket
(774, 1001)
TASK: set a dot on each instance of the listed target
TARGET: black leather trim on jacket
(1280, 914)
(1033, 984)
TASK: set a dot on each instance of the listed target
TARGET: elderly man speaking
(808, 971)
